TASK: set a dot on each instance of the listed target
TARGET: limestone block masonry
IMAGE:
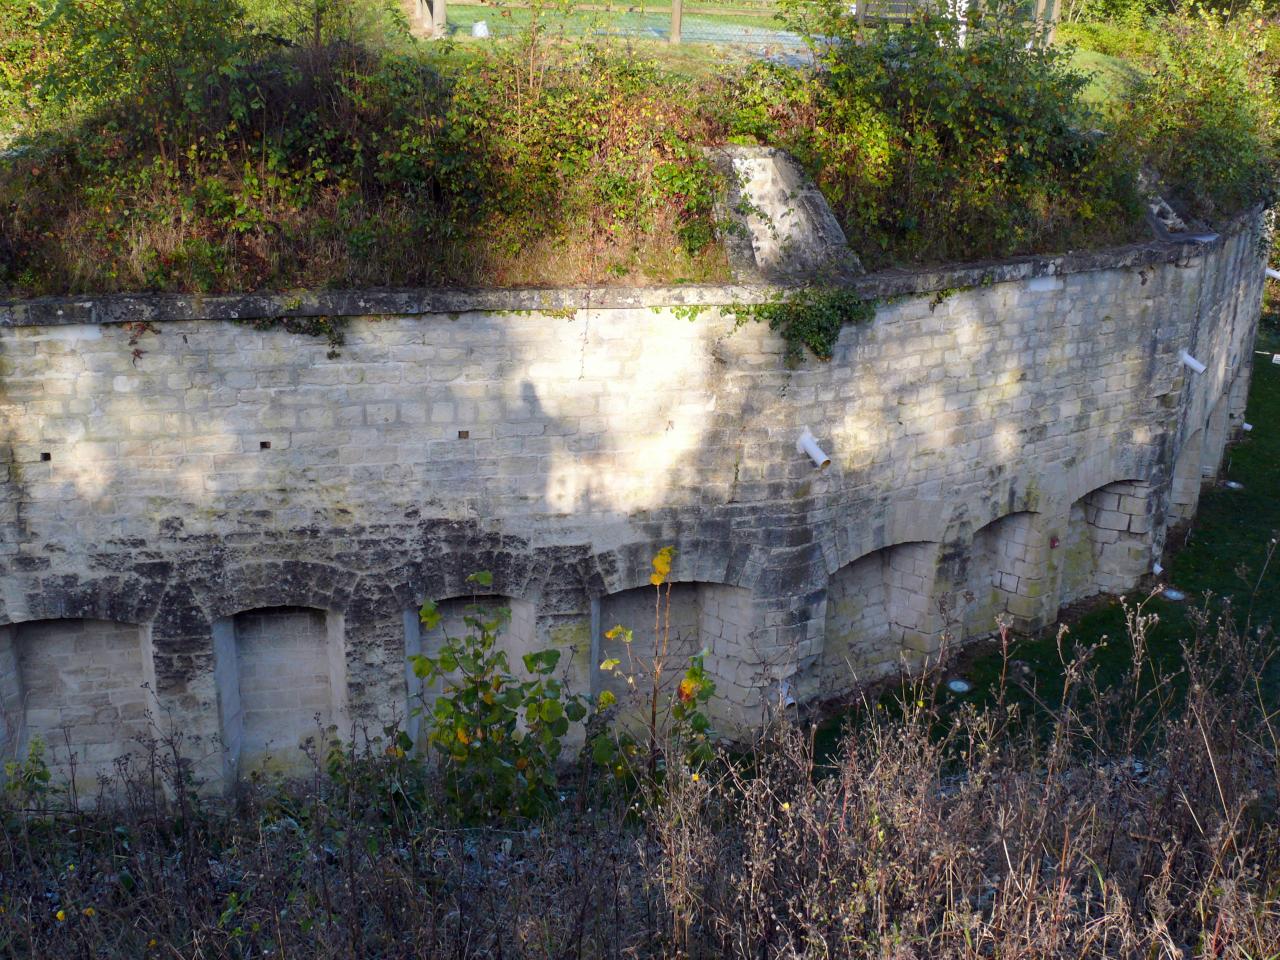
(224, 512)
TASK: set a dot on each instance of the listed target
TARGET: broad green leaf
(603, 749)
(429, 614)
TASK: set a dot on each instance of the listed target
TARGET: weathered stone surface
(228, 469)
(784, 229)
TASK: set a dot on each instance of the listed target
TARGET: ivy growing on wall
(810, 317)
(333, 329)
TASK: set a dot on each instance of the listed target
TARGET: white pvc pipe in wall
(807, 444)
(1191, 361)
(1273, 274)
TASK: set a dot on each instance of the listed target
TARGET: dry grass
(1132, 821)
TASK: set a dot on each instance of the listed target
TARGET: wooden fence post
(677, 9)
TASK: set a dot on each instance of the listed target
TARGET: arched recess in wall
(77, 686)
(515, 638)
(1106, 545)
(1005, 573)
(879, 608)
(1184, 493)
(1216, 433)
(281, 677)
(713, 617)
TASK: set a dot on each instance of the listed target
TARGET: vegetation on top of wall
(933, 143)
(228, 157)
(25, 51)
(193, 145)
(1198, 102)
(1210, 124)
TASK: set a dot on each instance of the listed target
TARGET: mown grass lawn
(1109, 77)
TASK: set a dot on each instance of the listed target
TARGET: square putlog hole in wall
(264, 445)
(46, 457)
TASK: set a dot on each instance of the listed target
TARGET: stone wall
(287, 684)
(76, 686)
(1023, 431)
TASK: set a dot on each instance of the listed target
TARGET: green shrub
(1205, 118)
(499, 737)
(164, 61)
(25, 52)
(1076, 12)
(933, 146)
(320, 22)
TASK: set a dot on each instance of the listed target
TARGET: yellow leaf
(662, 565)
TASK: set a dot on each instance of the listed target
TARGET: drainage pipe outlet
(807, 444)
(1191, 361)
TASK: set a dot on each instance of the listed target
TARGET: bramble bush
(202, 146)
(1204, 116)
(214, 156)
(935, 145)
